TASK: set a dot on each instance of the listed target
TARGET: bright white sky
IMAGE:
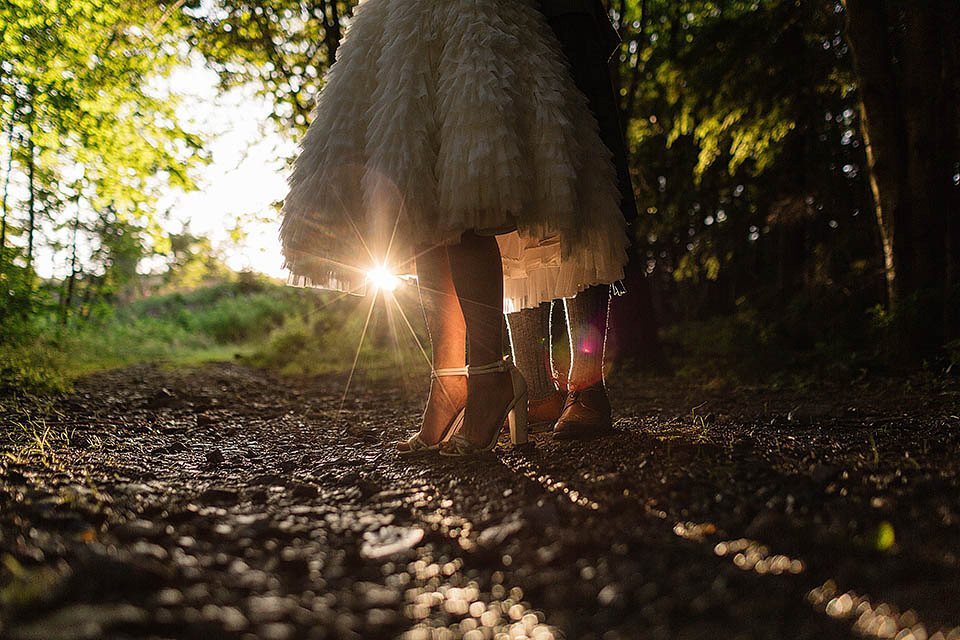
(247, 175)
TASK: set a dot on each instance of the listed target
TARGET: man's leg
(587, 324)
(530, 343)
(587, 409)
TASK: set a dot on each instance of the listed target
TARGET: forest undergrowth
(248, 318)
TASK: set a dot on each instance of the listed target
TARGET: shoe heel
(517, 419)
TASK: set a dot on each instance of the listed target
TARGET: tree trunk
(881, 124)
(92, 292)
(31, 210)
(331, 28)
(929, 166)
(908, 117)
(951, 132)
(6, 187)
(71, 279)
(333, 33)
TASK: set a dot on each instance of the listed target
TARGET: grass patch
(250, 319)
(218, 322)
(36, 439)
(814, 337)
(327, 340)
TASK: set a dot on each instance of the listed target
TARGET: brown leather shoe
(586, 413)
(543, 413)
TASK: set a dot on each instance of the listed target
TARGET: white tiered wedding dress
(441, 116)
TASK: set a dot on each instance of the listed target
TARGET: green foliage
(75, 85)
(18, 301)
(953, 353)
(281, 46)
(817, 334)
(217, 321)
(268, 325)
(90, 144)
(228, 313)
(36, 365)
(327, 339)
(742, 130)
(191, 261)
(746, 150)
(921, 311)
(286, 346)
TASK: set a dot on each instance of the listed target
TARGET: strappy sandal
(415, 446)
(515, 414)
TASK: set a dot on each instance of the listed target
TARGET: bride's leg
(441, 309)
(478, 277)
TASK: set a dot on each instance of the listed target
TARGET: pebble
(219, 495)
(495, 535)
(138, 528)
(269, 608)
(389, 540)
(79, 622)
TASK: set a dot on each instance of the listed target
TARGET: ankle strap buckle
(494, 367)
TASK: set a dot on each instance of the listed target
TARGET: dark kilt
(588, 41)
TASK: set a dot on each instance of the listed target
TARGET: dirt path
(225, 502)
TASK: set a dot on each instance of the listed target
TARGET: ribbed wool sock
(530, 338)
(587, 324)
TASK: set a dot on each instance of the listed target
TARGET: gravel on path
(226, 502)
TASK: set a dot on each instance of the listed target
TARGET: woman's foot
(487, 400)
(448, 395)
(495, 392)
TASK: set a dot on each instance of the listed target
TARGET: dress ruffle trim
(439, 118)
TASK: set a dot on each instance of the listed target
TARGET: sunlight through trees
(796, 164)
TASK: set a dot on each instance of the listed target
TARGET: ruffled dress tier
(443, 116)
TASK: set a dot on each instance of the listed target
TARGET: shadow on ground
(223, 502)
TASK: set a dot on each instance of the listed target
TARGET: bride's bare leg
(448, 338)
(478, 277)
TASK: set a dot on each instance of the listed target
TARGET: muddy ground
(225, 502)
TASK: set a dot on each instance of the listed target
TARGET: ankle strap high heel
(450, 371)
(515, 413)
(415, 445)
(494, 367)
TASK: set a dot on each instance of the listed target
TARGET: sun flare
(382, 279)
